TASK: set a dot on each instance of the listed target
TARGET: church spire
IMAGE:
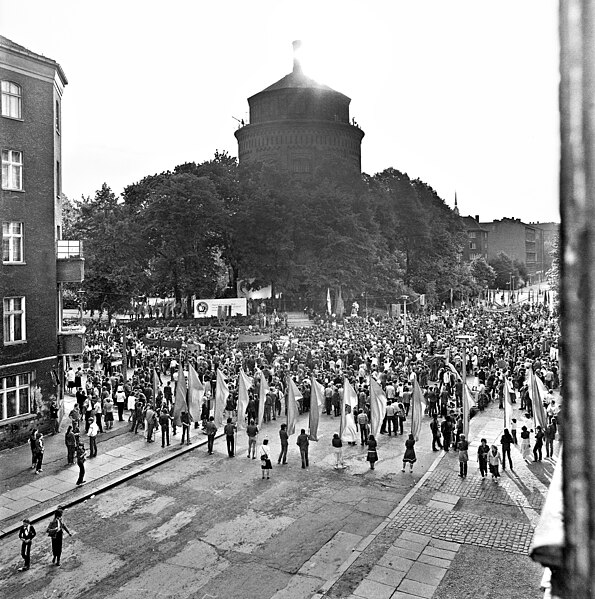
(456, 208)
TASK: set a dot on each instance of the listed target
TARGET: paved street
(208, 526)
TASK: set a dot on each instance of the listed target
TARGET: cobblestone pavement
(461, 527)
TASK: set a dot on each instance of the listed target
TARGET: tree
(504, 269)
(114, 257)
(483, 273)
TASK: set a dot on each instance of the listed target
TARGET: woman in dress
(463, 448)
(409, 453)
(265, 458)
(372, 453)
(525, 444)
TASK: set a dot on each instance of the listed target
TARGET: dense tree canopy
(201, 227)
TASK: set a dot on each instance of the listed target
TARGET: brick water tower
(298, 123)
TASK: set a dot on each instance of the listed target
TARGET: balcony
(70, 264)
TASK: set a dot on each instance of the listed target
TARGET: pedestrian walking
(185, 420)
(525, 444)
(409, 457)
(164, 420)
(92, 433)
(513, 431)
(39, 451)
(230, 432)
(364, 426)
(463, 447)
(506, 441)
(303, 443)
(70, 442)
(494, 460)
(265, 458)
(482, 457)
(252, 432)
(338, 450)
(55, 531)
(80, 460)
(539, 435)
(26, 535)
(211, 429)
(284, 439)
(75, 418)
(372, 451)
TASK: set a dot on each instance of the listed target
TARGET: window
(12, 169)
(14, 320)
(15, 396)
(472, 245)
(11, 100)
(58, 179)
(57, 116)
(472, 234)
(12, 242)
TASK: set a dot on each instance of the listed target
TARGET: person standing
(185, 421)
(120, 403)
(409, 456)
(537, 454)
(211, 429)
(463, 447)
(80, 460)
(284, 439)
(108, 408)
(164, 420)
(338, 451)
(230, 431)
(303, 443)
(252, 432)
(265, 458)
(363, 423)
(494, 460)
(54, 416)
(406, 399)
(513, 431)
(525, 444)
(446, 429)
(435, 428)
(26, 534)
(549, 436)
(482, 457)
(399, 417)
(56, 530)
(32, 444)
(506, 441)
(372, 451)
(70, 442)
(92, 433)
(39, 450)
(150, 420)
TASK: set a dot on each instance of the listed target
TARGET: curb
(91, 491)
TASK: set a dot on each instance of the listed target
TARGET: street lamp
(405, 298)
(464, 339)
(81, 293)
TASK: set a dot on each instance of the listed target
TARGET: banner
(507, 406)
(221, 395)
(244, 383)
(316, 400)
(348, 429)
(209, 308)
(293, 394)
(262, 397)
(244, 290)
(196, 392)
(244, 338)
(377, 407)
(180, 404)
(418, 405)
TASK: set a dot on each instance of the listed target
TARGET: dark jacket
(303, 441)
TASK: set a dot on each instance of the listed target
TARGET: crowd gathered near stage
(508, 350)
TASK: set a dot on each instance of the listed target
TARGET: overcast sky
(462, 94)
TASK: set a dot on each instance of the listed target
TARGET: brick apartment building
(519, 241)
(297, 123)
(31, 273)
(477, 239)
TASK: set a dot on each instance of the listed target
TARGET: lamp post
(405, 298)
(464, 339)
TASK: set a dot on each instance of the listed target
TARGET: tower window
(11, 100)
(12, 169)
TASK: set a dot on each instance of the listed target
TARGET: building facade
(31, 142)
(551, 235)
(477, 239)
(519, 241)
(297, 123)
